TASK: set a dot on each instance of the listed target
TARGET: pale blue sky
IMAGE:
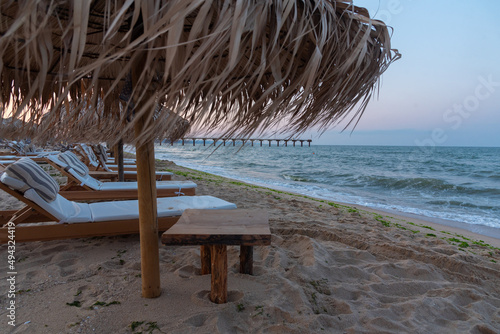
(445, 90)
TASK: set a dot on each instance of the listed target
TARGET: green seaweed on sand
(76, 303)
(383, 221)
(19, 292)
(135, 324)
(259, 309)
(145, 327)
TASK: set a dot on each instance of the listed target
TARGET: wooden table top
(226, 227)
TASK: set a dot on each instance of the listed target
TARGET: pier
(244, 141)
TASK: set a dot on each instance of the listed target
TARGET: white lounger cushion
(125, 161)
(132, 172)
(124, 166)
(87, 180)
(64, 210)
(178, 185)
(98, 185)
(166, 207)
(109, 186)
(73, 212)
(14, 183)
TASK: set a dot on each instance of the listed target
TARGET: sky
(445, 90)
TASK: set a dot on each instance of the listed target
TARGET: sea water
(460, 184)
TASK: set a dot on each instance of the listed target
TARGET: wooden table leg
(218, 292)
(205, 259)
(246, 260)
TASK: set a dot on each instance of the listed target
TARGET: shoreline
(331, 268)
(489, 235)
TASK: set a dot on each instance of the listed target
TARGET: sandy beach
(331, 268)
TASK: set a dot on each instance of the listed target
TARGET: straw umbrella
(230, 65)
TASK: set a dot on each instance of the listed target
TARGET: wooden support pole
(119, 161)
(206, 264)
(246, 260)
(218, 291)
(148, 220)
(146, 187)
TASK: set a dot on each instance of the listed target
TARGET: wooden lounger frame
(32, 213)
(113, 176)
(74, 191)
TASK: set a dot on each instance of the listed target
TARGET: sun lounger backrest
(86, 180)
(101, 152)
(62, 209)
(72, 160)
(83, 180)
(85, 156)
(101, 156)
(87, 150)
(27, 171)
(14, 183)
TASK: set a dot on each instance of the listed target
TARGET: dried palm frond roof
(75, 124)
(232, 64)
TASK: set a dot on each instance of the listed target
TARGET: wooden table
(214, 230)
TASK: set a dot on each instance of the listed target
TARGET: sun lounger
(93, 162)
(22, 149)
(30, 184)
(82, 186)
(98, 162)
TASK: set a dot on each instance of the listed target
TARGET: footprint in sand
(54, 250)
(188, 271)
(68, 267)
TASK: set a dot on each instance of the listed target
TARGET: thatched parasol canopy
(236, 65)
